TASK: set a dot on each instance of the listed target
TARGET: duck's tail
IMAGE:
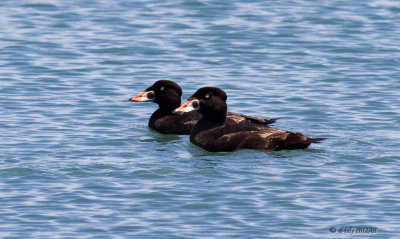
(270, 121)
(299, 141)
(316, 140)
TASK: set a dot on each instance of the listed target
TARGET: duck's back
(184, 123)
(234, 137)
(235, 118)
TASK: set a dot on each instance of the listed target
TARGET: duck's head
(209, 101)
(167, 94)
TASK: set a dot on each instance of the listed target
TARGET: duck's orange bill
(140, 97)
(185, 107)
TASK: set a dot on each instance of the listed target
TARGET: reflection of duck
(167, 94)
(215, 133)
(152, 136)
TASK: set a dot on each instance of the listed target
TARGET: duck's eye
(195, 104)
(207, 96)
(162, 88)
(150, 95)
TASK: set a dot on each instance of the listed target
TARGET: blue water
(77, 159)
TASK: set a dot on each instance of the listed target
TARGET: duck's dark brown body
(216, 133)
(225, 139)
(173, 123)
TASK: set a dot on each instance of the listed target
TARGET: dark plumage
(213, 132)
(167, 94)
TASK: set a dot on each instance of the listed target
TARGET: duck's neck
(209, 120)
(165, 108)
(168, 106)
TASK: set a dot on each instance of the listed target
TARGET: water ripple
(78, 160)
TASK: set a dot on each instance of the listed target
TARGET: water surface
(77, 160)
